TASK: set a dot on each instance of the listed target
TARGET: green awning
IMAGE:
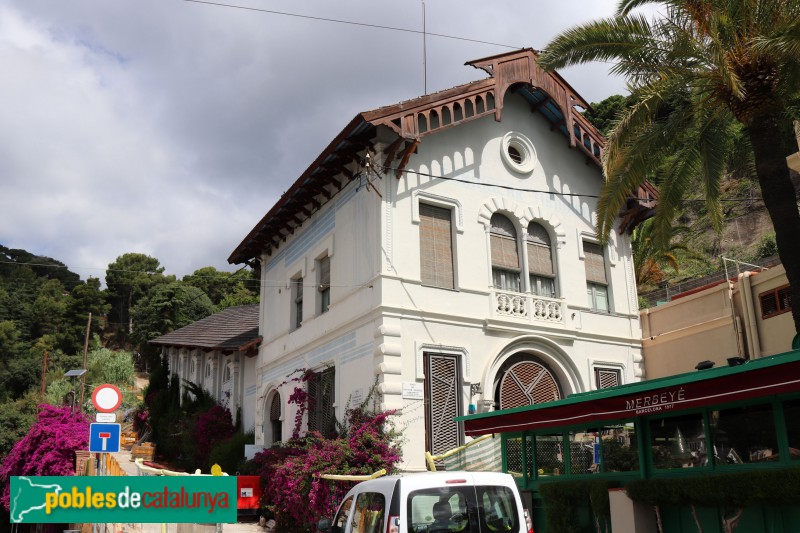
(768, 376)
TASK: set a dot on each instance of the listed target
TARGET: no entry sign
(106, 398)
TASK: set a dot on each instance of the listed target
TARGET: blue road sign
(104, 437)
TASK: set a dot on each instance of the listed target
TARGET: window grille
(436, 246)
(527, 383)
(607, 377)
(275, 418)
(775, 302)
(321, 399)
(443, 402)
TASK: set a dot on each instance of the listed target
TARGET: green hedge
(563, 499)
(773, 487)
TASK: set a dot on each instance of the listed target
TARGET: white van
(432, 502)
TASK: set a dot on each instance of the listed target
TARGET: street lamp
(72, 374)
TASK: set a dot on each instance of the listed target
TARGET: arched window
(275, 418)
(505, 255)
(226, 376)
(526, 382)
(208, 370)
(540, 261)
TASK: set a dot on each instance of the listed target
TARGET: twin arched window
(507, 263)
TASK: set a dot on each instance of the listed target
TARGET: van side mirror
(324, 524)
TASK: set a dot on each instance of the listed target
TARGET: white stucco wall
(382, 319)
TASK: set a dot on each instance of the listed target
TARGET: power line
(539, 191)
(352, 23)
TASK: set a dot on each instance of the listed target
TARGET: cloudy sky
(169, 127)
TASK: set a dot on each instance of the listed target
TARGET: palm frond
(602, 40)
(784, 43)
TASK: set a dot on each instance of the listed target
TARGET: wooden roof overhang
(249, 348)
(410, 121)
(753, 380)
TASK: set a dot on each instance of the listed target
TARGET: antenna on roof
(424, 53)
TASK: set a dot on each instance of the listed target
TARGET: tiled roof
(233, 328)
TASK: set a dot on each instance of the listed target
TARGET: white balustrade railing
(528, 306)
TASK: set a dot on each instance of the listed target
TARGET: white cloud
(170, 128)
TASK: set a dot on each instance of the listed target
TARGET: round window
(518, 152)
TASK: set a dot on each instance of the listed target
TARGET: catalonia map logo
(136, 499)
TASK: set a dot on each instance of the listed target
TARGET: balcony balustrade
(529, 307)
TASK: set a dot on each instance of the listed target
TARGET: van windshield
(464, 509)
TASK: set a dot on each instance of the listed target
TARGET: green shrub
(229, 455)
(564, 499)
(766, 247)
(770, 487)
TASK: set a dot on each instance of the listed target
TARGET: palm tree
(737, 61)
(651, 258)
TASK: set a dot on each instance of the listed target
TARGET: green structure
(715, 448)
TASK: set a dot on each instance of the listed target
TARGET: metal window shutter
(443, 403)
(527, 383)
(595, 263)
(436, 250)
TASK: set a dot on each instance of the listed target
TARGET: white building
(218, 352)
(445, 248)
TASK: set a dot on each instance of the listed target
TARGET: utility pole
(424, 52)
(44, 371)
(85, 356)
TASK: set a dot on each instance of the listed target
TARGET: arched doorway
(524, 379)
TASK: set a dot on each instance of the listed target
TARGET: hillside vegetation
(746, 233)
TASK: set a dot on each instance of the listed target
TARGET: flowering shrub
(140, 419)
(211, 428)
(293, 490)
(49, 447)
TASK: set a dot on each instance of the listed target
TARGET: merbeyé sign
(135, 499)
(655, 402)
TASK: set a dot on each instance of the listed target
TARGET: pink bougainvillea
(49, 447)
(211, 428)
(293, 489)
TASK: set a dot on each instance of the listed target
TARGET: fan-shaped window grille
(505, 255)
(443, 399)
(527, 383)
(275, 418)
